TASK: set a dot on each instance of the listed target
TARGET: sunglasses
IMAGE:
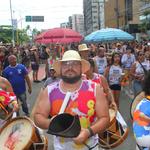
(141, 54)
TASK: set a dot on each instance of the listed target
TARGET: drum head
(16, 134)
(135, 102)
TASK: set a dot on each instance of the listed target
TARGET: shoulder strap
(145, 71)
(65, 102)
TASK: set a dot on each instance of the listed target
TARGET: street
(125, 101)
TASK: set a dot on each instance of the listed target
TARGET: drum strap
(140, 147)
(65, 102)
(90, 148)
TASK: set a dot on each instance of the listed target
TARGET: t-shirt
(16, 76)
(114, 74)
(101, 64)
(127, 60)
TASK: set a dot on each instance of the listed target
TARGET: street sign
(34, 18)
(28, 18)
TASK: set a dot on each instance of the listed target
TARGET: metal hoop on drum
(135, 102)
(21, 133)
(115, 134)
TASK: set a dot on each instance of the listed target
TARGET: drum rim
(17, 118)
(131, 105)
(117, 143)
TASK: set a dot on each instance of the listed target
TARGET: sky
(54, 12)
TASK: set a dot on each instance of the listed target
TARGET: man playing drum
(87, 100)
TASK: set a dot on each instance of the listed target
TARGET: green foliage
(145, 25)
(19, 35)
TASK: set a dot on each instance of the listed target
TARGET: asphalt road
(125, 102)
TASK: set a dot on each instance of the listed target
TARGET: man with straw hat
(82, 97)
(84, 51)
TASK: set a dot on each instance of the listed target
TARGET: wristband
(90, 132)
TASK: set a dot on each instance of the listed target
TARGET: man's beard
(71, 80)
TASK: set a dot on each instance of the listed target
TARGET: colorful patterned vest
(82, 103)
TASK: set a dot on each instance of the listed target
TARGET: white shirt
(114, 74)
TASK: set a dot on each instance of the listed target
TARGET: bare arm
(102, 111)
(132, 70)
(96, 68)
(41, 110)
(108, 93)
(28, 83)
(8, 85)
(106, 72)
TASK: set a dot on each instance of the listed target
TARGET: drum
(135, 101)
(115, 134)
(21, 134)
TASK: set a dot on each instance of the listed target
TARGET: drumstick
(2, 106)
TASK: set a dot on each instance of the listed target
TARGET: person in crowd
(83, 51)
(138, 70)
(51, 59)
(114, 75)
(17, 75)
(127, 60)
(34, 58)
(25, 56)
(100, 79)
(87, 100)
(100, 60)
(141, 118)
(118, 48)
(51, 78)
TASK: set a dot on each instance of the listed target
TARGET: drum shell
(114, 135)
(135, 102)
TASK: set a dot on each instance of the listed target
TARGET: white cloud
(54, 11)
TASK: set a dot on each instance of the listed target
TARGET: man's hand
(15, 106)
(82, 137)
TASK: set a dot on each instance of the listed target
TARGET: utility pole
(13, 36)
(117, 13)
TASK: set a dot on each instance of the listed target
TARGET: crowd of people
(93, 75)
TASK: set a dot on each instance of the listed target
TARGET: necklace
(70, 89)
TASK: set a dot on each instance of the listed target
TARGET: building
(93, 19)
(64, 25)
(78, 23)
(115, 13)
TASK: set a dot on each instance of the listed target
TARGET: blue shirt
(16, 76)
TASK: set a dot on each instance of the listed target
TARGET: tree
(6, 35)
(145, 25)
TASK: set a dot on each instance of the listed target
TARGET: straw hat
(118, 44)
(33, 48)
(83, 47)
(71, 55)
